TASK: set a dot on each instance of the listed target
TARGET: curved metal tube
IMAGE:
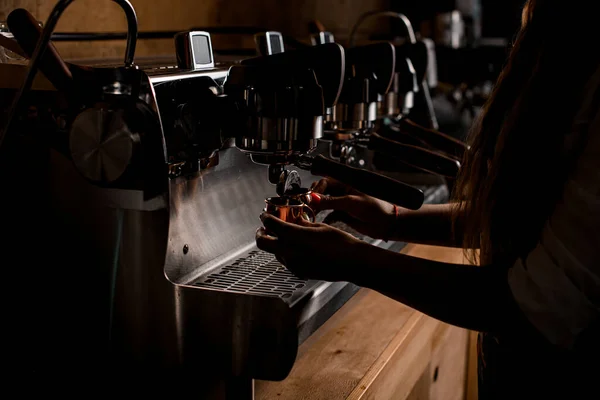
(59, 8)
(409, 28)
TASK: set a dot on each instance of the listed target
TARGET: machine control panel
(269, 43)
(194, 50)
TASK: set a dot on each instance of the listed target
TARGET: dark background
(499, 18)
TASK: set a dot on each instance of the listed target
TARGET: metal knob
(101, 144)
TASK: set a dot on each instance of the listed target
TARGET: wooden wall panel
(291, 17)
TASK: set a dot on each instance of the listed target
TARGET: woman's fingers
(351, 221)
(275, 225)
(282, 229)
(266, 242)
(330, 186)
(342, 203)
(308, 224)
(319, 186)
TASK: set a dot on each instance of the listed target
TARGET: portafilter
(380, 84)
(279, 103)
(408, 103)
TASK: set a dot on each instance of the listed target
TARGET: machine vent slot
(257, 273)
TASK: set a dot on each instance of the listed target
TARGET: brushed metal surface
(116, 279)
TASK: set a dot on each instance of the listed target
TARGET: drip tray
(256, 277)
(257, 273)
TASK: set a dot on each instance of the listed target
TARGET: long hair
(515, 172)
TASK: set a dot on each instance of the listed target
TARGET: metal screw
(186, 248)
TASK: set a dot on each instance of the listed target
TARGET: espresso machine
(410, 117)
(378, 85)
(133, 196)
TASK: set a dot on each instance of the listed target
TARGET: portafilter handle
(415, 156)
(436, 139)
(365, 181)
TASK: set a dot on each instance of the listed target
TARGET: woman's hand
(368, 215)
(313, 251)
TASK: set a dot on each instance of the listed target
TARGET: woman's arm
(471, 297)
(431, 224)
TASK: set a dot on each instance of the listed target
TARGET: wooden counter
(377, 348)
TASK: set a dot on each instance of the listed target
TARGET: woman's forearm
(431, 224)
(476, 298)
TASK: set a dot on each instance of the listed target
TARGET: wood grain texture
(290, 17)
(6, 6)
(421, 389)
(448, 368)
(472, 374)
(334, 359)
(402, 363)
(427, 352)
(375, 347)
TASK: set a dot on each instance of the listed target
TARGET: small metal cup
(303, 195)
(289, 209)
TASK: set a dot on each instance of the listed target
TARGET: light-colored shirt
(557, 286)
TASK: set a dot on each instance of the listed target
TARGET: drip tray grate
(257, 273)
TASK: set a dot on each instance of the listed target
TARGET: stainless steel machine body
(183, 283)
(144, 260)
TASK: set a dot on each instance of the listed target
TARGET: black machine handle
(43, 44)
(12, 45)
(415, 156)
(327, 61)
(436, 139)
(27, 33)
(371, 183)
